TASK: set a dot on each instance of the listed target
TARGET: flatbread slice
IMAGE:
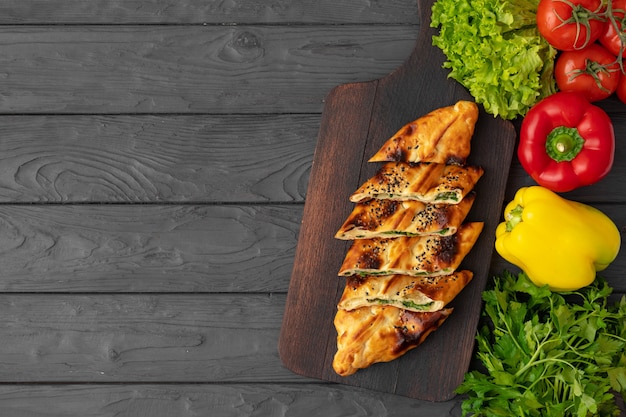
(419, 294)
(429, 183)
(392, 218)
(416, 256)
(380, 334)
(443, 136)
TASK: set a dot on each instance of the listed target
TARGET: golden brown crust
(441, 136)
(417, 256)
(429, 183)
(380, 334)
(408, 240)
(419, 294)
(392, 218)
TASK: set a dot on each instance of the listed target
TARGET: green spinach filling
(447, 196)
(405, 303)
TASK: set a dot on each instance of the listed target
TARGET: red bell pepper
(566, 142)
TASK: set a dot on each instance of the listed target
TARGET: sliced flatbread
(429, 183)
(417, 256)
(392, 218)
(443, 136)
(419, 294)
(380, 334)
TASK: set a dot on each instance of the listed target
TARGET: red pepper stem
(564, 143)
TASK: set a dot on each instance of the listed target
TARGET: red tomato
(593, 72)
(570, 25)
(610, 37)
(621, 89)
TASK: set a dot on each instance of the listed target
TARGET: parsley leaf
(547, 354)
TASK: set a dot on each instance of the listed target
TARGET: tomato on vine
(612, 38)
(593, 72)
(621, 89)
(570, 25)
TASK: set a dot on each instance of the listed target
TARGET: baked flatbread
(417, 256)
(380, 334)
(392, 218)
(429, 183)
(419, 294)
(441, 136)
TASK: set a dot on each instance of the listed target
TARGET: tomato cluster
(591, 41)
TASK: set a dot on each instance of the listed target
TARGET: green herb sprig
(546, 353)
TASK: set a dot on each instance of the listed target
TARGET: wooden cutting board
(356, 121)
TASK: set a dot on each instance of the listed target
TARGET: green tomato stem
(580, 17)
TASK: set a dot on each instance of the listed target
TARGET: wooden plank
(141, 338)
(170, 248)
(167, 400)
(147, 248)
(205, 12)
(190, 69)
(162, 158)
(188, 158)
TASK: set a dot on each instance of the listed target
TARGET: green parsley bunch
(546, 353)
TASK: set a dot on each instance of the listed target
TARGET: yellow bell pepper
(555, 241)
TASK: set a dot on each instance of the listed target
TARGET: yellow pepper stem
(514, 217)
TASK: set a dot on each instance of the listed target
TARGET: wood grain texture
(205, 12)
(154, 158)
(148, 158)
(232, 400)
(189, 69)
(143, 337)
(128, 248)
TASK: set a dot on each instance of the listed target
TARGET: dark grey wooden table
(154, 159)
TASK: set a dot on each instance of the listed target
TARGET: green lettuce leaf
(494, 49)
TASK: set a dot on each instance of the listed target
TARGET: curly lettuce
(494, 49)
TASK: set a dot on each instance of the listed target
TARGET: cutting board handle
(424, 10)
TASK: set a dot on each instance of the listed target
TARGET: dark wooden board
(356, 120)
